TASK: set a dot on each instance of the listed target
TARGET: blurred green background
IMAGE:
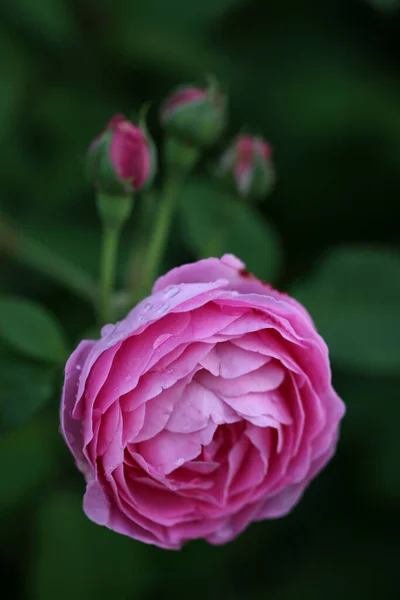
(320, 80)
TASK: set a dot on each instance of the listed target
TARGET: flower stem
(114, 212)
(37, 256)
(159, 237)
(216, 245)
(107, 271)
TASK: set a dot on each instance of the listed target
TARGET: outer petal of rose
(282, 503)
(198, 528)
(203, 271)
(110, 379)
(228, 267)
(148, 311)
(98, 509)
(70, 428)
(95, 504)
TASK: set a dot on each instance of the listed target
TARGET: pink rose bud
(247, 166)
(208, 407)
(197, 115)
(120, 160)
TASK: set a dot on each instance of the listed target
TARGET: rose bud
(197, 115)
(208, 407)
(247, 167)
(121, 160)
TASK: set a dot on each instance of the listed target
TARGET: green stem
(114, 212)
(158, 240)
(216, 245)
(107, 271)
(37, 256)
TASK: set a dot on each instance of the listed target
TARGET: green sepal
(114, 210)
(101, 169)
(180, 155)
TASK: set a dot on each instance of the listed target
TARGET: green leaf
(174, 15)
(385, 5)
(214, 223)
(24, 389)
(74, 558)
(17, 70)
(354, 298)
(51, 19)
(29, 329)
(373, 414)
(27, 461)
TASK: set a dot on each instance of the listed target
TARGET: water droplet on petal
(171, 291)
(180, 462)
(163, 309)
(147, 307)
(78, 367)
(234, 293)
(107, 329)
(224, 533)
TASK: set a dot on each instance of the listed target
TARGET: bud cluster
(122, 160)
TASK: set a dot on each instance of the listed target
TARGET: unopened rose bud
(197, 115)
(120, 159)
(247, 165)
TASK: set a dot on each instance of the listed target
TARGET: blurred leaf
(354, 298)
(334, 573)
(24, 389)
(385, 5)
(29, 329)
(16, 70)
(70, 240)
(155, 45)
(373, 414)
(183, 12)
(51, 19)
(74, 558)
(27, 460)
(213, 223)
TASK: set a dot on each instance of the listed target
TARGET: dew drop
(224, 533)
(171, 291)
(78, 367)
(107, 329)
(147, 307)
(163, 309)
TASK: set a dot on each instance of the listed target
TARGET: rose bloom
(182, 98)
(249, 162)
(208, 407)
(128, 151)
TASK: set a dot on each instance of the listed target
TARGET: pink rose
(248, 163)
(182, 98)
(208, 407)
(121, 154)
(196, 115)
